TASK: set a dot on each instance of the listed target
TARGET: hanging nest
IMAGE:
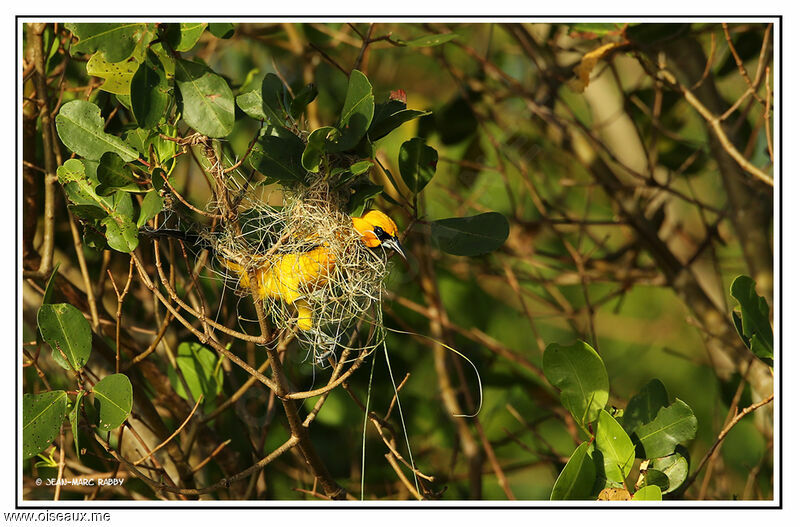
(313, 272)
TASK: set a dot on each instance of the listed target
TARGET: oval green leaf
(117, 75)
(576, 480)
(279, 159)
(472, 235)
(303, 99)
(314, 150)
(114, 174)
(655, 477)
(753, 325)
(357, 113)
(674, 466)
(579, 372)
(200, 370)
(116, 41)
(672, 425)
(150, 92)
(152, 204)
(183, 36)
(616, 446)
(121, 233)
(430, 40)
(207, 99)
(113, 398)
(42, 415)
(644, 406)
(74, 416)
(80, 128)
(272, 98)
(47, 297)
(648, 493)
(67, 332)
(221, 29)
(417, 162)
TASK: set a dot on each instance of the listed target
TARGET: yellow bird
(293, 275)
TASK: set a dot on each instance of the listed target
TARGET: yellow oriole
(289, 277)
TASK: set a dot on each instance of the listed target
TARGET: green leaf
(430, 40)
(303, 99)
(598, 29)
(753, 326)
(579, 372)
(67, 332)
(672, 425)
(114, 175)
(360, 167)
(382, 124)
(576, 480)
(417, 162)
(117, 75)
(272, 92)
(80, 128)
(251, 103)
(616, 446)
(207, 99)
(42, 415)
(48, 288)
(74, 416)
(121, 233)
(314, 150)
(184, 36)
(200, 370)
(674, 466)
(357, 112)
(113, 398)
(648, 493)
(116, 41)
(644, 406)
(470, 236)
(80, 180)
(152, 204)
(150, 92)
(363, 193)
(221, 29)
(279, 159)
(655, 477)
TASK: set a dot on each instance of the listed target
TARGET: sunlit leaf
(207, 99)
(113, 398)
(579, 372)
(577, 478)
(616, 446)
(356, 116)
(117, 75)
(150, 95)
(116, 41)
(648, 493)
(42, 416)
(80, 128)
(672, 425)
(67, 332)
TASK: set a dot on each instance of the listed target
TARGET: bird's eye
(378, 231)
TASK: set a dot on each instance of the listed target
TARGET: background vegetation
(632, 162)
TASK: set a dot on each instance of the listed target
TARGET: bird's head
(376, 228)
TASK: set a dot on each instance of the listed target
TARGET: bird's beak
(394, 243)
